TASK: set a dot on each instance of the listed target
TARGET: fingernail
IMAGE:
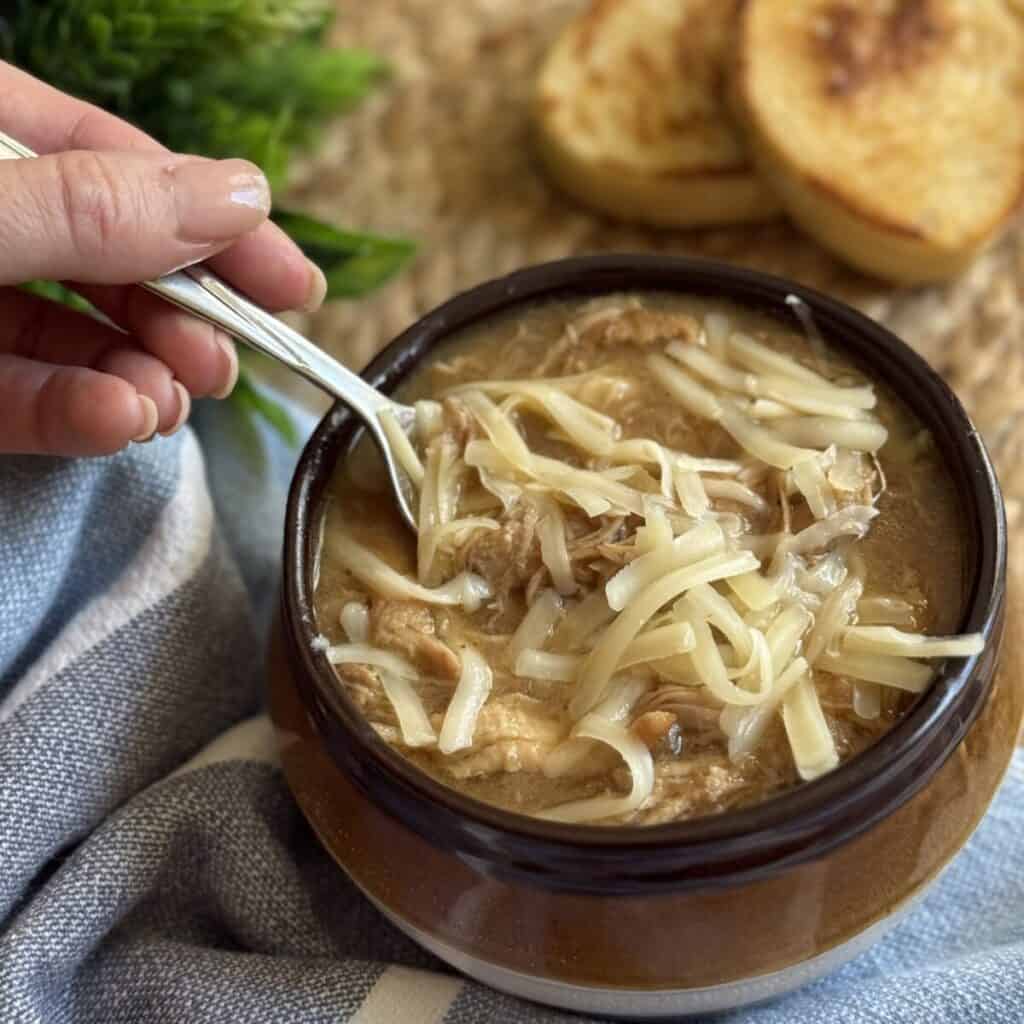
(150, 419)
(184, 408)
(225, 344)
(317, 289)
(219, 199)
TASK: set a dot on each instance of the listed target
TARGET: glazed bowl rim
(785, 829)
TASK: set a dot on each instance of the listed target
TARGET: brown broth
(914, 551)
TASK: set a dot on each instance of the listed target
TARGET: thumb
(116, 218)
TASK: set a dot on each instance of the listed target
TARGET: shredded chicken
(458, 421)
(641, 327)
(593, 545)
(560, 354)
(502, 756)
(409, 629)
(617, 554)
(587, 556)
(359, 677)
(516, 716)
(690, 787)
(508, 557)
(363, 686)
(513, 733)
(610, 327)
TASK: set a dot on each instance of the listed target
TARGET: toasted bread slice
(891, 130)
(632, 118)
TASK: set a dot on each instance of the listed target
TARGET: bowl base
(655, 1004)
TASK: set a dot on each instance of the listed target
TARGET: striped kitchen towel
(152, 864)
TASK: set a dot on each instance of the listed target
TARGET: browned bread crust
(891, 130)
(631, 115)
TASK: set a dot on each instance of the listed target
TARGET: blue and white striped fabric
(152, 864)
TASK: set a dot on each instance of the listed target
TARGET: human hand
(110, 206)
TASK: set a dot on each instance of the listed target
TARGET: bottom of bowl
(656, 1004)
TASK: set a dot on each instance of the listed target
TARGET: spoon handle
(203, 293)
(200, 291)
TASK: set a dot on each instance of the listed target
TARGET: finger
(46, 332)
(48, 121)
(68, 410)
(200, 356)
(271, 269)
(268, 266)
(277, 277)
(150, 377)
(121, 217)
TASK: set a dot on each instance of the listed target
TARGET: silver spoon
(202, 292)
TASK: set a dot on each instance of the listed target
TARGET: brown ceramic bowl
(692, 916)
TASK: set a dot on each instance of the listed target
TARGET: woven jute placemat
(442, 154)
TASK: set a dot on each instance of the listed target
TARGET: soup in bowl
(707, 590)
